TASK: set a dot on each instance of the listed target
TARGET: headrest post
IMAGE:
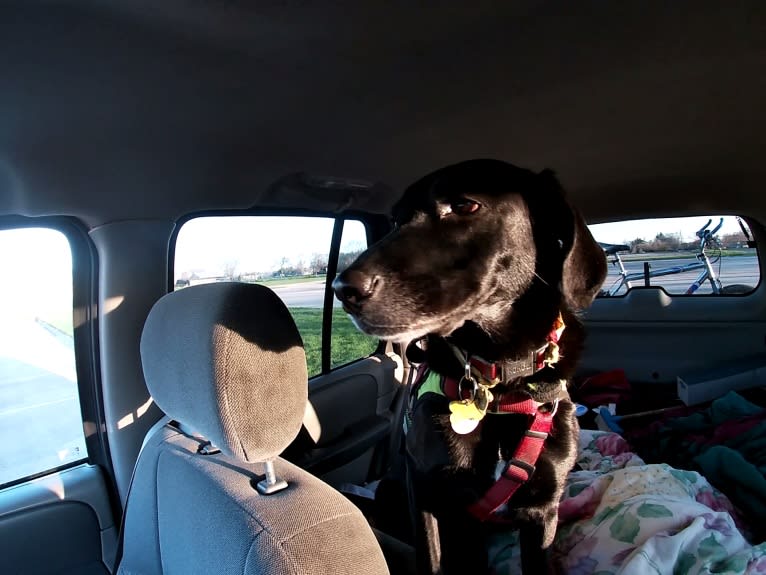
(271, 484)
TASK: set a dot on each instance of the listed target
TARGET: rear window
(700, 255)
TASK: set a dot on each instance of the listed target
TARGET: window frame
(376, 226)
(85, 338)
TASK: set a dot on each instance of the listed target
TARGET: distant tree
(230, 270)
(318, 264)
(637, 245)
(734, 240)
(281, 267)
(663, 243)
(347, 258)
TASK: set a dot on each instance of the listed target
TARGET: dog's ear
(584, 267)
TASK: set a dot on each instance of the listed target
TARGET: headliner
(144, 109)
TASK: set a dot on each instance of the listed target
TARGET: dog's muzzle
(353, 288)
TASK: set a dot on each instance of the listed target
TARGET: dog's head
(469, 241)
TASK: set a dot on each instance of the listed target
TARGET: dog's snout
(352, 287)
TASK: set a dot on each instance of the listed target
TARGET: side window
(39, 403)
(710, 255)
(348, 343)
(290, 255)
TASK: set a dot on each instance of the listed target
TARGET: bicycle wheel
(736, 289)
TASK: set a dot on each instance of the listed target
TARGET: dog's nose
(352, 287)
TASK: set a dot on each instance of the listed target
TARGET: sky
(257, 243)
(37, 267)
(624, 232)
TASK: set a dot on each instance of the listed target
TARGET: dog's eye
(464, 207)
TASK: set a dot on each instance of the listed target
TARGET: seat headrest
(226, 359)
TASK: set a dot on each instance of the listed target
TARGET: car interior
(161, 162)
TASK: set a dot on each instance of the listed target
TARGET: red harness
(521, 466)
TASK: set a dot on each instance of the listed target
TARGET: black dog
(486, 269)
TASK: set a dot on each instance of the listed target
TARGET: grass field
(348, 343)
(62, 321)
(276, 282)
(683, 255)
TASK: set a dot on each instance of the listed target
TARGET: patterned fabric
(621, 516)
(726, 442)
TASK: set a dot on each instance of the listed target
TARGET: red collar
(514, 402)
(507, 370)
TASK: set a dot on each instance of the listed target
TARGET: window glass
(39, 404)
(348, 343)
(701, 255)
(289, 254)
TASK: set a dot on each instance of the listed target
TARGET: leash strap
(520, 468)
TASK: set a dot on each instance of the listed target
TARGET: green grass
(347, 344)
(61, 321)
(652, 256)
(273, 282)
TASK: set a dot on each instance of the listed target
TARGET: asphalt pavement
(39, 408)
(731, 270)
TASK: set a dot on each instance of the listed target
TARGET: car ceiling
(145, 109)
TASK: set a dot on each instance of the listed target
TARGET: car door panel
(60, 523)
(655, 337)
(350, 417)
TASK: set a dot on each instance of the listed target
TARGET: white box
(710, 384)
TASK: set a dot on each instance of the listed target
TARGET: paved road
(733, 270)
(39, 410)
(304, 294)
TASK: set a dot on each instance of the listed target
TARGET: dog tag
(463, 426)
(482, 398)
(465, 416)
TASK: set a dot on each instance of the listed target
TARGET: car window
(701, 255)
(347, 340)
(289, 254)
(40, 411)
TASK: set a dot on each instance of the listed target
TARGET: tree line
(285, 268)
(672, 243)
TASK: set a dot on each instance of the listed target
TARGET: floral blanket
(621, 516)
